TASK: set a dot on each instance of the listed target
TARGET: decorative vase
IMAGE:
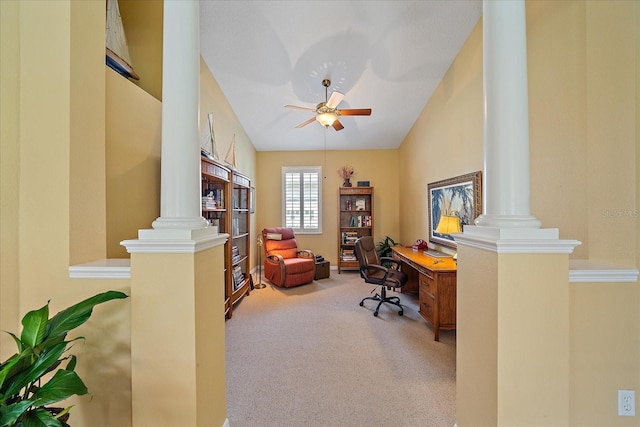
(347, 182)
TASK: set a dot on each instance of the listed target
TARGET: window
(302, 201)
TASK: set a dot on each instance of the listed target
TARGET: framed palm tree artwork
(453, 203)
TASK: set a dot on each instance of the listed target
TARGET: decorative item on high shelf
(117, 50)
(364, 184)
(208, 141)
(345, 173)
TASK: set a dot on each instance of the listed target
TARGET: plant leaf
(43, 364)
(74, 316)
(10, 372)
(18, 342)
(34, 325)
(6, 369)
(71, 366)
(63, 385)
(40, 418)
(10, 413)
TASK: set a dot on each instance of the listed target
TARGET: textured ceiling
(385, 55)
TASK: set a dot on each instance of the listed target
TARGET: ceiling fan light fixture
(327, 119)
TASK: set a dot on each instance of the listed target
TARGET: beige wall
(379, 167)
(9, 179)
(87, 140)
(451, 123)
(52, 91)
(227, 128)
(583, 97)
(142, 23)
(133, 138)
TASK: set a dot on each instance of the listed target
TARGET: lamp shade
(448, 224)
(327, 119)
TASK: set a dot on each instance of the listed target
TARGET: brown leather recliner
(284, 264)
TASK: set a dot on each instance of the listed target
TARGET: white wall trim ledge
(589, 271)
(515, 240)
(112, 268)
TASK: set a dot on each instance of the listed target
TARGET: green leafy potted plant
(25, 393)
(384, 248)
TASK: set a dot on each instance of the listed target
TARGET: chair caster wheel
(361, 303)
(375, 314)
(400, 313)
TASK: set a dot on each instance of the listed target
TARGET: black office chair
(373, 272)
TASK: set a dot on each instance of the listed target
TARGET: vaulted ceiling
(385, 55)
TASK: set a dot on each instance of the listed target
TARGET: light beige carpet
(311, 356)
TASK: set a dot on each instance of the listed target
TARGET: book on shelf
(213, 198)
(348, 255)
(360, 221)
(209, 203)
(235, 254)
(238, 277)
(349, 237)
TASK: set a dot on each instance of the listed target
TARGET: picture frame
(452, 202)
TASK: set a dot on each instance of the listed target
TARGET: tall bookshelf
(226, 204)
(238, 275)
(355, 213)
(216, 184)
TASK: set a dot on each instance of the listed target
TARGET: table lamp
(448, 224)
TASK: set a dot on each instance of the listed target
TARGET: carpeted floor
(311, 356)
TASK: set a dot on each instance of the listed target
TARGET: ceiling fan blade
(295, 107)
(337, 125)
(303, 124)
(335, 99)
(354, 112)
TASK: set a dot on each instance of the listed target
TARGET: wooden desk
(435, 281)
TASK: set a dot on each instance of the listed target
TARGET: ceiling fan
(327, 112)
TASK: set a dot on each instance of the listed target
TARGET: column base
(175, 240)
(164, 223)
(515, 240)
(508, 221)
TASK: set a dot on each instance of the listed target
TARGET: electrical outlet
(627, 403)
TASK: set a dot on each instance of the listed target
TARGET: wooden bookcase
(225, 204)
(355, 219)
(238, 280)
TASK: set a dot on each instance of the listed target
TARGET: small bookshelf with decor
(355, 219)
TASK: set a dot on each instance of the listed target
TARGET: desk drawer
(427, 284)
(427, 304)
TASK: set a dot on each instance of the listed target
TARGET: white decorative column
(506, 117)
(512, 358)
(180, 203)
(177, 268)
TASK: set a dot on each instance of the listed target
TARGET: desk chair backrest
(366, 253)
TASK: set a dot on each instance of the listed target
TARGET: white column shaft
(506, 117)
(180, 203)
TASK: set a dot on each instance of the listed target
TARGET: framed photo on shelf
(453, 203)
